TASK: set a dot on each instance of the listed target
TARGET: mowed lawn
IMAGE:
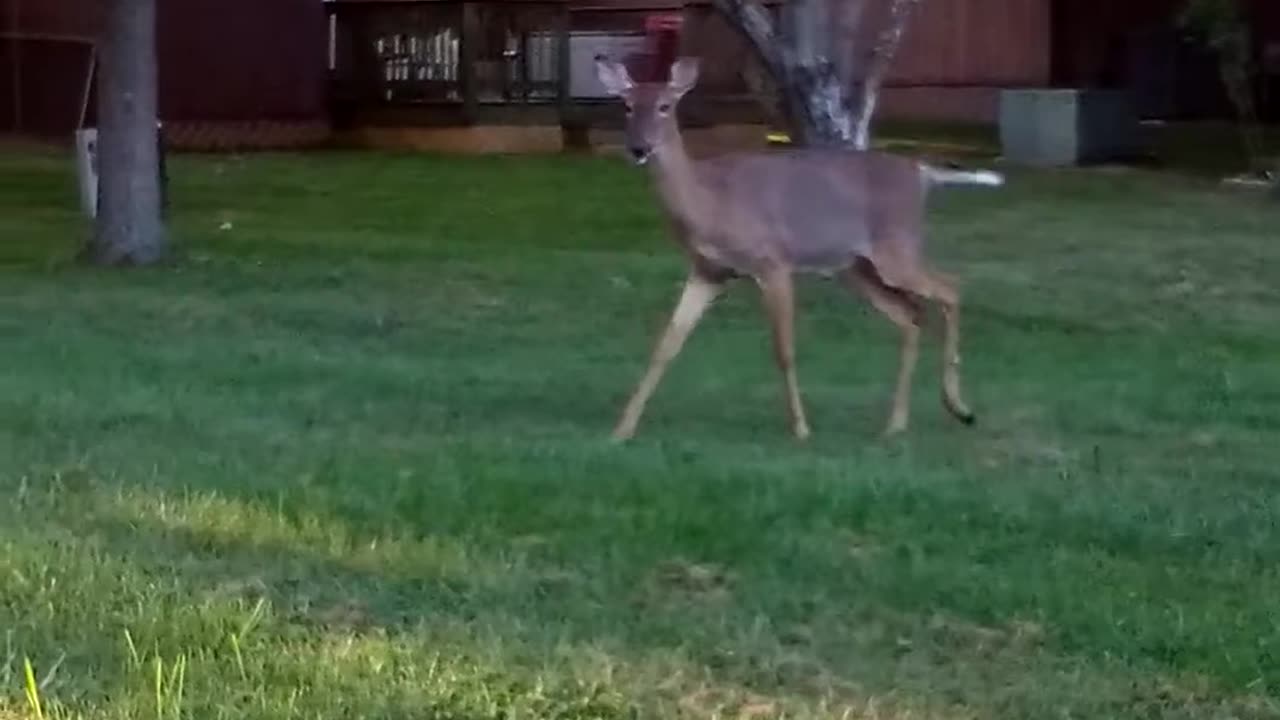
(349, 458)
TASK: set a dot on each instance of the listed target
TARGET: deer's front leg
(779, 298)
(698, 294)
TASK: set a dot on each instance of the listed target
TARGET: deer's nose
(638, 153)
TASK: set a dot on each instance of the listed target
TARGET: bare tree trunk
(826, 103)
(812, 98)
(129, 228)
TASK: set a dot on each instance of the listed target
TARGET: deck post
(562, 61)
(471, 35)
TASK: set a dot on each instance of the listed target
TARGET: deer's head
(651, 107)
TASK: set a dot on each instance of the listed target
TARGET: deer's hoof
(958, 408)
(801, 433)
(894, 430)
(960, 412)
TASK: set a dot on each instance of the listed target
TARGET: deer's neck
(681, 192)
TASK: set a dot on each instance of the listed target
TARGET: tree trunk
(823, 107)
(812, 96)
(820, 111)
(129, 228)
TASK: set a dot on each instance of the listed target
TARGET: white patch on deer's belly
(711, 253)
(740, 252)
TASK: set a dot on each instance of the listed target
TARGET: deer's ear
(613, 76)
(684, 75)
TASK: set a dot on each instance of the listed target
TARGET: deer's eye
(664, 108)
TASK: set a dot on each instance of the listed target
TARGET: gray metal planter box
(1057, 127)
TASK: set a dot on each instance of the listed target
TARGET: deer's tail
(941, 176)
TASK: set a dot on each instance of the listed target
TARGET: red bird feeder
(663, 35)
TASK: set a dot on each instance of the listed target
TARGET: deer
(769, 215)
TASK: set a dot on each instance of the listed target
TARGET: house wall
(43, 77)
(957, 55)
(1138, 45)
(954, 58)
(232, 73)
(246, 72)
(68, 17)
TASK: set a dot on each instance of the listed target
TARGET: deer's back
(815, 210)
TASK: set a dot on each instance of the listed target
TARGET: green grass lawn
(350, 458)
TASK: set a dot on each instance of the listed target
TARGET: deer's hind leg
(942, 291)
(919, 282)
(904, 311)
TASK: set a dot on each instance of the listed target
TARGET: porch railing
(512, 53)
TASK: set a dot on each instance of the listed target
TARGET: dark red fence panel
(233, 60)
(42, 85)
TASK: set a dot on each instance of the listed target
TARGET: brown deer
(855, 215)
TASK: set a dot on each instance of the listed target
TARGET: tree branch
(873, 79)
(753, 21)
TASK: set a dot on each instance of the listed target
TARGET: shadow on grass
(505, 621)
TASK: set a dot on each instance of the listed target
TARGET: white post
(87, 169)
